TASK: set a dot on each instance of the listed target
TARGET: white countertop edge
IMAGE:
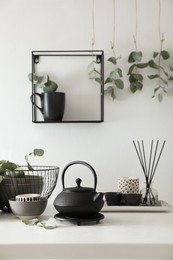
(89, 251)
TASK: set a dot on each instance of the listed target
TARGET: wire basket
(42, 180)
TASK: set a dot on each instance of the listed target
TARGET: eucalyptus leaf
(49, 224)
(138, 76)
(160, 97)
(137, 56)
(108, 80)
(119, 72)
(164, 71)
(155, 54)
(164, 81)
(98, 80)
(30, 168)
(131, 58)
(142, 65)
(131, 68)
(111, 91)
(50, 86)
(38, 152)
(153, 76)
(165, 54)
(113, 60)
(156, 89)
(43, 82)
(153, 65)
(133, 87)
(119, 83)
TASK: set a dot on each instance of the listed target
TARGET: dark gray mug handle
(32, 101)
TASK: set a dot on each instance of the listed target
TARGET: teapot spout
(98, 198)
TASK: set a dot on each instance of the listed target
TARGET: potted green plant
(16, 179)
(52, 102)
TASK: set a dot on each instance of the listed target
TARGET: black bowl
(113, 198)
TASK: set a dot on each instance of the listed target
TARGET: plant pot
(10, 187)
(52, 105)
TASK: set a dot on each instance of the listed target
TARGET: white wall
(65, 25)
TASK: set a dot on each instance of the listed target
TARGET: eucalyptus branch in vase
(114, 79)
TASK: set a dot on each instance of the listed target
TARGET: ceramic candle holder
(128, 184)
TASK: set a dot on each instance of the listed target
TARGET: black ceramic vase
(52, 105)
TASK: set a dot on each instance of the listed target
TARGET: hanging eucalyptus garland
(114, 79)
(158, 63)
(135, 58)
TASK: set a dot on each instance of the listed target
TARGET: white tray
(164, 206)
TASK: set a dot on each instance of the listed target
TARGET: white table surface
(120, 235)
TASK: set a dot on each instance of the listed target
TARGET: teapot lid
(78, 188)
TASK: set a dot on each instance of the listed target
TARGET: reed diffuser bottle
(149, 194)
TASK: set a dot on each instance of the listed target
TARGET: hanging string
(136, 25)
(161, 35)
(93, 23)
(113, 28)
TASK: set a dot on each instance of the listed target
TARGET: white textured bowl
(28, 209)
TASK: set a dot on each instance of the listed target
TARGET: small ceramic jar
(128, 184)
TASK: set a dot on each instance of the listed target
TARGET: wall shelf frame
(70, 69)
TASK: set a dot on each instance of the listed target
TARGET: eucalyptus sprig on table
(136, 78)
(114, 78)
(162, 75)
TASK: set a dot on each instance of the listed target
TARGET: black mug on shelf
(52, 105)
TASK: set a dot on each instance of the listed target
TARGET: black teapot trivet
(94, 218)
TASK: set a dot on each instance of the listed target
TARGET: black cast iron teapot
(79, 201)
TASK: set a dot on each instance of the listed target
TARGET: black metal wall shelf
(85, 102)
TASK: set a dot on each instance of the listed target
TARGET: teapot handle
(83, 163)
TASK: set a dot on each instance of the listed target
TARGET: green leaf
(30, 168)
(136, 86)
(155, 90)
(135, 77)
(50, 86)
(137, 56)
(133, 87)
(116, 72)
(38, 152)
(113, 60)
(111, 91)
(108, 80)
(98, 80)
(131, 69)
(119, 71)
(142, 65)
(153, 65)
(165, 54)
(164, 71)
(153, 76)
(130, 58)
(9, 166)
(160, 97)
(170, 78)
(119, 83)
(155, 54)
